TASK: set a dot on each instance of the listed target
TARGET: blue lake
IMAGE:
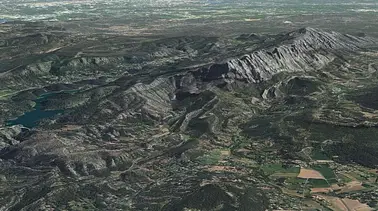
(31, 119)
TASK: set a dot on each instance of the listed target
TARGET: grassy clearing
(299, 183)
(327, 172)
(344, 178)
(318, 183)
(318, 155)
(270, 169)
(4, 94)
(212, 158)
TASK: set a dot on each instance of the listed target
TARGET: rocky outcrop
(303, 50)
(8, 136)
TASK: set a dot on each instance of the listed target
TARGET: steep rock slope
(303, 50)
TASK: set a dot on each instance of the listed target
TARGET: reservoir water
(32, 118)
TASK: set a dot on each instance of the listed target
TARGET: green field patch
(299, 183)
(211, 158)
(344, 178)
(327, 172)
(272, 169)
(318, 183)
(318, 155)
(6, 93)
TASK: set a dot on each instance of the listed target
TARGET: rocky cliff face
(303, 50)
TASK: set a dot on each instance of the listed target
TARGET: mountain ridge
(307, 51)
(159, 137)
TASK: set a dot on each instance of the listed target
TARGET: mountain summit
(306, 49)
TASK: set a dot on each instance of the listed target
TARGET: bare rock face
(303, 50)
(8, 136)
